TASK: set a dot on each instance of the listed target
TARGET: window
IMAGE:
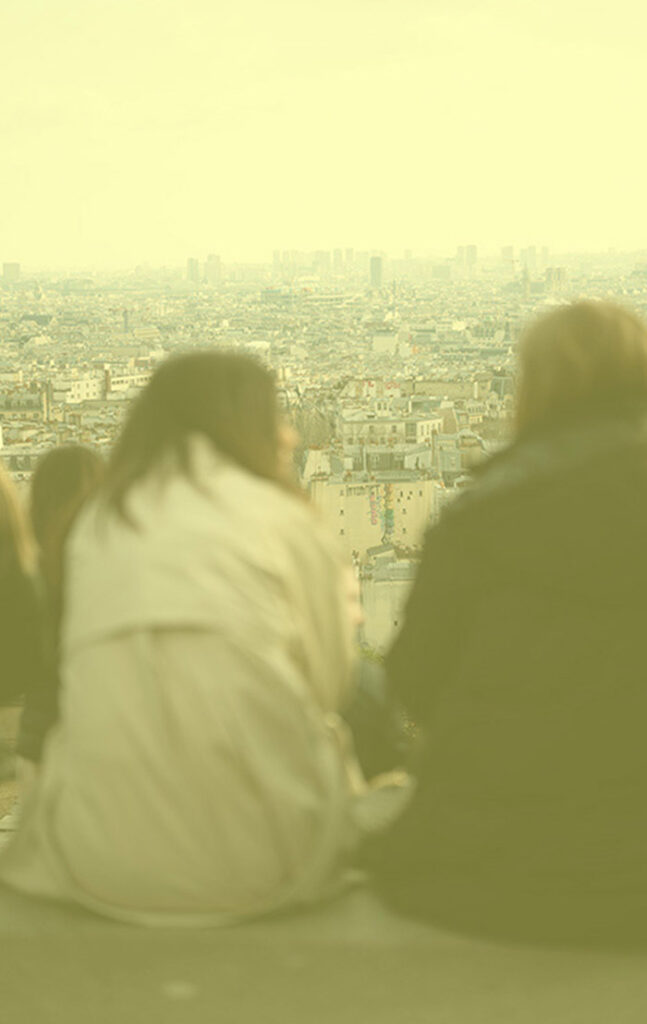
(341, 533)
(341, 511)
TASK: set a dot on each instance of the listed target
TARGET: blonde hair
(16, 545)
(582, 359)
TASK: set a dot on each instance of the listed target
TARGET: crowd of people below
(197, 744)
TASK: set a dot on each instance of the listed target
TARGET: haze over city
(146, 132)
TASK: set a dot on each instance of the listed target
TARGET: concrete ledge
(349, 962)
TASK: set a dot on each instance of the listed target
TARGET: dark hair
(588, 358)
(228, 398)
(64, 478)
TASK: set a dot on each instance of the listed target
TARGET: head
(16, 548)
(584, 360)
(227, 398)
(63, 480)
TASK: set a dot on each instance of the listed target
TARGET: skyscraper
(213, 269)
(193, 270)
(376, 271)
(529, 259)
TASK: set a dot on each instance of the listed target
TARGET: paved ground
(348, 963)
(351, 962)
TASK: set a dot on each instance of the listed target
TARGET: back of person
(197, 773)
(63, 480)
(21, 611)
(522, 657)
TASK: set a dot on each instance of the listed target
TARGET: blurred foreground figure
(22, 657)
(20, 614)
(63, 480)
(197, 773)
(523, 658)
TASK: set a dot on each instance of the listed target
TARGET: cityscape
(397, 372)
(323, 468)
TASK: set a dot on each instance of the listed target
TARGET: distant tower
(213, 269)
(193, 270)
(525, 283)
(529, 259)
(376, 271)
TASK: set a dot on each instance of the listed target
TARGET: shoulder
(562, 456)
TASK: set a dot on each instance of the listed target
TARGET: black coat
(523, 656)
(22, 641)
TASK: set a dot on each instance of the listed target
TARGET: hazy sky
(139, 131)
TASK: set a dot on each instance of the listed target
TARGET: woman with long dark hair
(20, 620)
(522, 658)
(22, 649)
(197, 773)
(63, 480)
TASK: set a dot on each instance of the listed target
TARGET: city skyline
(491, 258)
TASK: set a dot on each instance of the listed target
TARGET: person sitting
(21, 621)
(198, 772)
(64, 478)
(522, 659)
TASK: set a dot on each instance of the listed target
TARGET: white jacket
(197, 773)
